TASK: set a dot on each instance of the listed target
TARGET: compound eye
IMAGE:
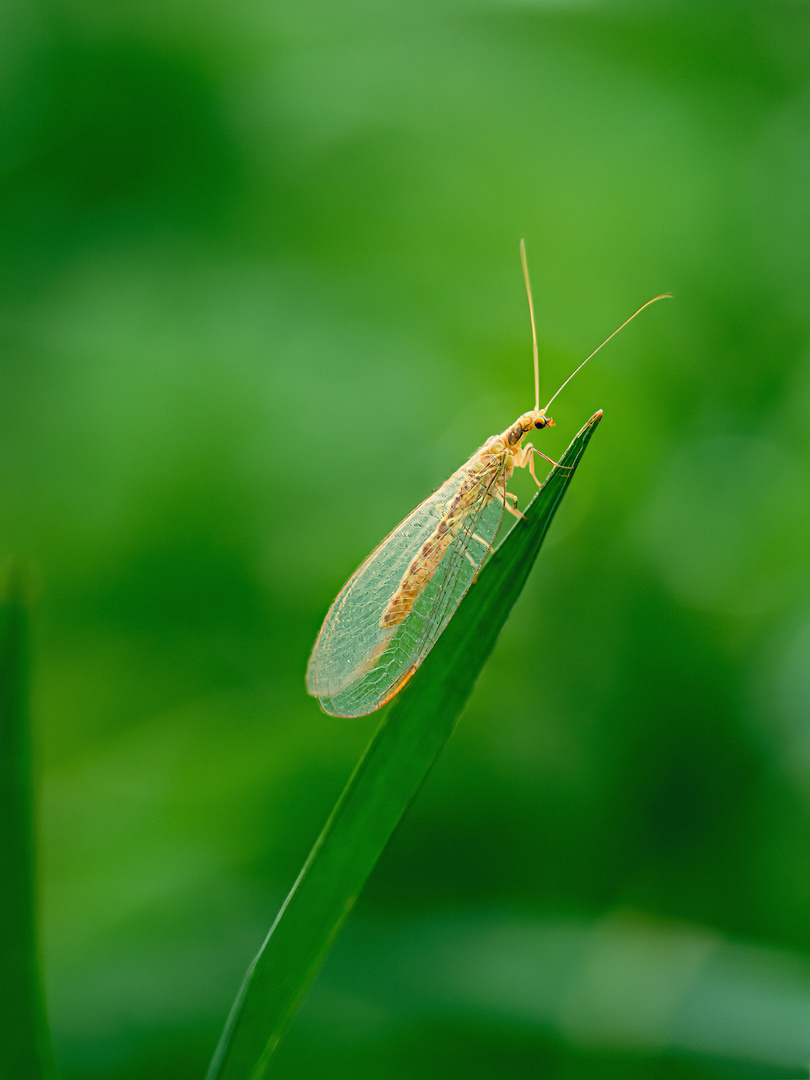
(539, 423)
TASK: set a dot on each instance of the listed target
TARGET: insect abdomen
(426, 562)
(421, 569)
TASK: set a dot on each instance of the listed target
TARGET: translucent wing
(392, 610)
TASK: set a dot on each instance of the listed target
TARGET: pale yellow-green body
(489, 469)
(385, 620)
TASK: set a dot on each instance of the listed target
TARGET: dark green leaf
(24, 1041)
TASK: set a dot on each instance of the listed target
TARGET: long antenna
(534, 328)
(663, 296)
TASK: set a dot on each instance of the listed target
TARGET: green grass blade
(382, 786)
(24, 1040)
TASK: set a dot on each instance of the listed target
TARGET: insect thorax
(536, 419)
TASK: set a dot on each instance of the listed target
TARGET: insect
(392, 610)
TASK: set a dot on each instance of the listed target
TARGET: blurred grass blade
(382, 786)
(24, 1040)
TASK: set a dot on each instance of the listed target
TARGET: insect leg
(531, 468)
(551, 461)
(507, 506)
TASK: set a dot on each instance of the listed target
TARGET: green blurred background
(259, 294)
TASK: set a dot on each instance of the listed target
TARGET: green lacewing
(392, 610)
